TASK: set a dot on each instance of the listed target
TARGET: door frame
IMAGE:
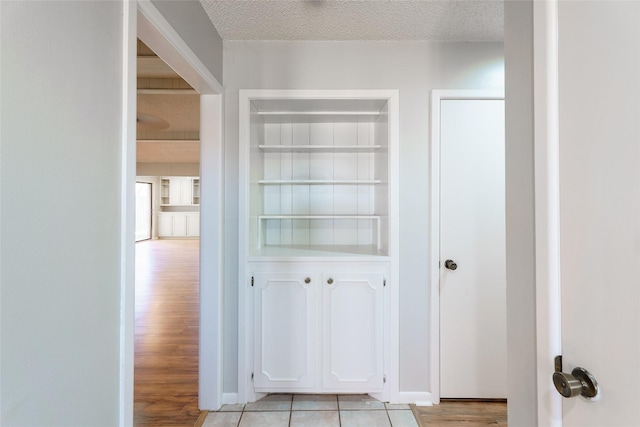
(434, 226)
(546, 158)
(142, 19)
(150, 209)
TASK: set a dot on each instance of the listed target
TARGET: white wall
(414, 68)
(60, 233)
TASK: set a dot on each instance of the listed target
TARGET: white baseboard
(229, 398)
(419, 398)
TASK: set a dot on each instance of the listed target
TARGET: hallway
(166, 338)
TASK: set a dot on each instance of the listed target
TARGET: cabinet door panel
(179, 225)
(284, 331)
(193, 225)
(353, 331)
(186, 191)
(165, 228)
(175, 191)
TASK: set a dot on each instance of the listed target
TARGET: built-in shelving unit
(165, 191)
(318, 173)
(319, 148)
(318, 238)
(179, 214)
(179, 191)
(196, 191)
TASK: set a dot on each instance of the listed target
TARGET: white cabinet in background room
(318, 241)
(180, 191)
(178, 224)
(165, 225)
(193, 224)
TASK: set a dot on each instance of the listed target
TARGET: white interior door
(473, 354)
(599, 107)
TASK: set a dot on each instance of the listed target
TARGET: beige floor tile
(396, 406)
(222, 419)
(232, 408)
(375, 418)
(315, 419)
(402, 418)
(264, 419)
(315, 402)
(358, 401)
(272, 402)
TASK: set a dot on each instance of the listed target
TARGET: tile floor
(307, 410)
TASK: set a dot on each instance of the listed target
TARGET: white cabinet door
(186, 191)
(165, 225)
(193, 224)
(284, 331)
(181, 191)
(352, 331)
(175, 191)
(179, 225)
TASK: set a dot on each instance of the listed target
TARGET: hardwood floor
(166, 339)
(456, 413)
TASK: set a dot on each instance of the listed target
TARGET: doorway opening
(143, 21)
(167, 285)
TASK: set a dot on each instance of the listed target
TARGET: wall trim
(229, 398)
(418, 398)
(211, 252)
(156, 32)
(143, 20)
(434, 261)
(127, 214)
(547, 208)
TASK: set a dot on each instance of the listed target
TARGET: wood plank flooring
(456, 413)
(166, 338)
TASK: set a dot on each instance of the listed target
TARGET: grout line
(388, 417)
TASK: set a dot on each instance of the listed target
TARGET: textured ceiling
(449, 20)
(177, 116)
